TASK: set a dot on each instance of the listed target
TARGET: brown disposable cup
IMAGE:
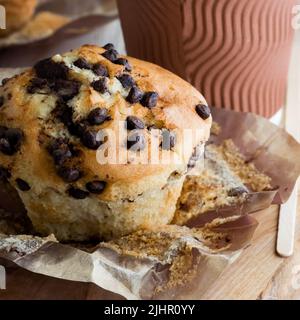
(236, 52)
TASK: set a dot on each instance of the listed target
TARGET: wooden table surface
(260, 273)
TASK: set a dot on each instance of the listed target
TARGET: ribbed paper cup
(236, 52)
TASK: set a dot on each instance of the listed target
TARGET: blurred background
(241, 54)
(51, 26)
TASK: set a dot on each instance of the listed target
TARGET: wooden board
(260, 273)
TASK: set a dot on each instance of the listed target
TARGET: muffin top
(83, 122)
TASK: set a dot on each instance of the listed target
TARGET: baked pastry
(227, 180)
(51, 154)
(42, 25)
(18, 12)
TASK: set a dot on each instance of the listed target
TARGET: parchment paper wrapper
(188, 259)
(269, 148)
(139, 276)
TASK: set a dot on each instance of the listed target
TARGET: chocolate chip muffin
(52, 121)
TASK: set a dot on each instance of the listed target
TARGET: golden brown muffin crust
(30, 113)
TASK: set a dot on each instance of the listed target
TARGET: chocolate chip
(203, 111)
(64, 113)
(149, 99)
(133, 123)
(100, 85)
(1, 101)
(67, 117)
(98, 116)
(49, 69)
(77, 193)
(69, 174)
(237, 191)
(11, 141)
(55, 144)
(135, 95)
(77, 129)
(37, 85)
(96, 187)
(14, 136)
(61, 154)
(109, 46)
(22, 185)
(100, 70)
(168, 140)
(111, 55)
(82, 64)
(89, 140)
(126, 80)
(38, 82)
(124, 62)
(61, 150)
(4, 173)
(136, 141)
(66, 89)
(5, 147)
(4, 81)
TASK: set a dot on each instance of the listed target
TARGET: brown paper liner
(270, 148)
(129, 275)
(22, 284)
